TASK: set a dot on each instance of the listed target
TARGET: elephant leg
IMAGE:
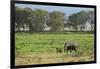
(70, 50)
(65, 51)
(74, 49)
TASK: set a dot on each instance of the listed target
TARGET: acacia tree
(91, 19)
(77, 20)
(22, 17)
(82, 15)
(28, 15)
(56, 21)
(33, 19)
(69, 25)
(39, 20)
(73, 21)
(18, 17)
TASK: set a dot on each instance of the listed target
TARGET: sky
(67, 10)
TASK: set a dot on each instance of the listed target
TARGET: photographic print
(48, 33)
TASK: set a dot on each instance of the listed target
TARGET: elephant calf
(59, 50)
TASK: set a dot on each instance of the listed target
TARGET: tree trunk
(91, 27)
(23, 28)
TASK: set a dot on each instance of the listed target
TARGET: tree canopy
(27, 19)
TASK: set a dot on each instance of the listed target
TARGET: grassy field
(39, 48)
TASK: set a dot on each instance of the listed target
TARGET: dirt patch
(50, 58)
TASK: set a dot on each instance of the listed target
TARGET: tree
(22, 17)
(73, 21)
(91, 19)
(18, 17)
(77, 20)
(82, 15)
(33, 19)
(39, 20)
(69, 25)
(27, 18)
(56, 21)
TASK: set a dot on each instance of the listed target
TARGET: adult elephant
(70, 46)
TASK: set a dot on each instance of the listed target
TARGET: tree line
(38, 20)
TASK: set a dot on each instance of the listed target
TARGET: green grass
(46, 43)
(30, 46)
